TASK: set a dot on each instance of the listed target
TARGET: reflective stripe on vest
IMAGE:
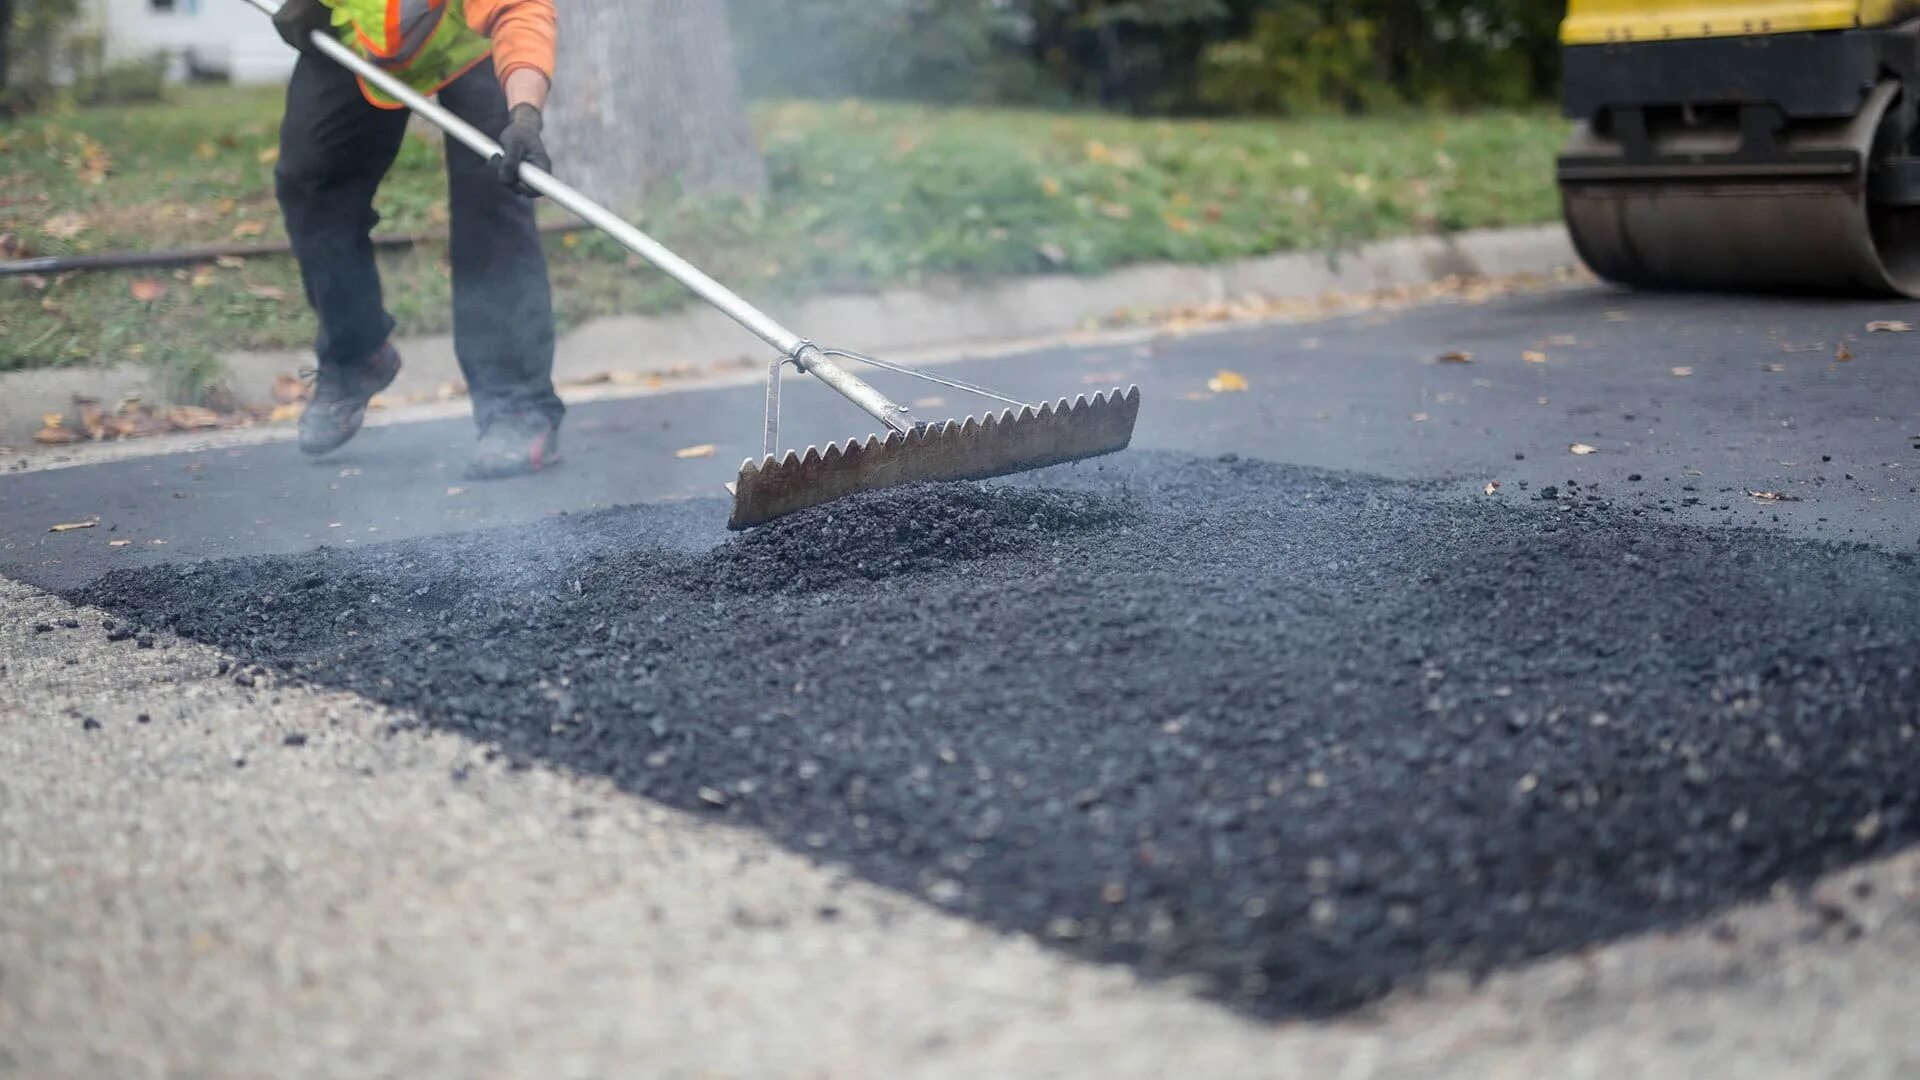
(424, 43)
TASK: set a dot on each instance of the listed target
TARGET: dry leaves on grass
(704, 450)
(1889, 326)
(147, 290)
(1228, 382)
(65, 225)
(247, 230)
(1582, 449)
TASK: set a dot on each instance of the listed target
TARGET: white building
(217, 38)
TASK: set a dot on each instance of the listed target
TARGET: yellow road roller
(1745, 144)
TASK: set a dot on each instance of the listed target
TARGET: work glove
(520, 144)
(298, 19)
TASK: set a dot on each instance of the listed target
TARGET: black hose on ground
(130, 260)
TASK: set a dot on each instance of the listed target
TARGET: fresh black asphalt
(1206, 710)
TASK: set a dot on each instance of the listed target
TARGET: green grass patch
(862, 196)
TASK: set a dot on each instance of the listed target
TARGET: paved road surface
(1258, 742)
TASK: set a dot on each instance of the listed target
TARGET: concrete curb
(896, 320)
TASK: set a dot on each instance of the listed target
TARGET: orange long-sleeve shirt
(523, 33)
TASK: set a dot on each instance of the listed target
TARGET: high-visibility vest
(423, 43)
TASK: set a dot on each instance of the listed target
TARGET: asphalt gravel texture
(1300, 736)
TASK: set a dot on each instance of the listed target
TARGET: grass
(862, 196)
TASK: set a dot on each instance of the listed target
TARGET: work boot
(338, 404)
(514, 445)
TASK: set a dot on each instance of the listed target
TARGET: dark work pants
(334, 150)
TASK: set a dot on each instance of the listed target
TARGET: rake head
(1010, 441)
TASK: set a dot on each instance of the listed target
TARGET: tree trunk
(6, 37)
(647, 99)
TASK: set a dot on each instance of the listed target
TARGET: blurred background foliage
(1240, 57)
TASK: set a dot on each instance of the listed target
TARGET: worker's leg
(334, 150)
(502, 301)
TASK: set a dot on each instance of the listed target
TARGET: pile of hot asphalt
(1304, 736)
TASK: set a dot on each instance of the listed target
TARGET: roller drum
(1699, 220)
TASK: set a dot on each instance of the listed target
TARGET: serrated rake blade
(1012, 441)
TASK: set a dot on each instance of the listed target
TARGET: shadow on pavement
(1305, 736)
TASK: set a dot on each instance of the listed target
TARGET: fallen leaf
(1581, 449)
(73, 526)
(1177, 223)
(1842, 354)
(64, 226)
(268, 156)
(456, 491)
(1775, 368)
(119, 543)
(1049, 186)
(92, 418)
(54, 431)
(1419, 418)
(267, 292)
(1772, 496)
(1889, 326)
(248, 229)
(1455, 356)
(1682, 372)
(230, 262)
(283, 414)
(1492, 487)
(147, 290)
(704, 450)
(202, 277)
(34, 282)
(192, 418)
(379, 403)
(288, 389)
(1227, 382)
(10, 246)
(1534, 356)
